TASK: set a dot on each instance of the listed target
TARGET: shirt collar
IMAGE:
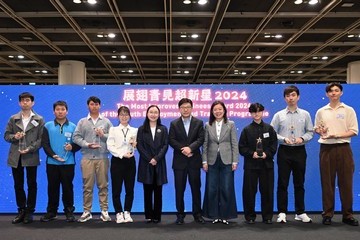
(89, 117)
(186, 119)
(288, 110)
(57, 123)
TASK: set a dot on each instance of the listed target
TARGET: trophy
(97, 140)
(323, 129)
(130, 144)
(65, 153)
(259, 147)
(292, 134)
(22, 143)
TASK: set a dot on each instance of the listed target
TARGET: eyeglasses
(187, 107)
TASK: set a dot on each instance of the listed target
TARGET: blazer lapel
(224, 129)
(212, 131)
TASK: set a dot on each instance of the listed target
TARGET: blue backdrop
(138, 98)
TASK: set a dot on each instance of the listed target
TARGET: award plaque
(259, 147)
(130, 144)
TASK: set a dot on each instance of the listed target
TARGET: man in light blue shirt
(294, 129)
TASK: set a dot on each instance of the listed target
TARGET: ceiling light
(180, 57)
(100, 35)
(249, 57)
(194, 35)
(313, 2)
(37, 71)
(113, 56)
(325, 58)
(278, 36)
(283, 82)
(202, 2)
(91, 1)
(315, 58)
(44, 71)
(349, 4)
(351, 35)
(77, 1)
(189, 57)
(11, 56)
(111, 35)
(300, 71)
(178, 71)
(186, 1)
(21, 56)
(292, 71)
(298, 2)
(122, 56)
(267, 36)
(243, 73)
(183, 35)
(186, 72)
(131, 71)
(258, 57)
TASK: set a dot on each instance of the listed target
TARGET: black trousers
(264, 178)
(291, 159)
(28, 204)
(180, 186)
(153, 200)
(60, 175)
(122, 171)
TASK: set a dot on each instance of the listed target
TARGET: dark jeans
(122, 171)
(60, 175)
(291, 159)
(153, 200)
(18, 176)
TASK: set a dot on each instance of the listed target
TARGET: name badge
(35, 123)
(266, 135)
(67, 134)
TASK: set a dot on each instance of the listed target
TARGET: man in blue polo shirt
(60, 162)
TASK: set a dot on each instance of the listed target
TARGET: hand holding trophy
(22, 143)
(323, 130)
(259, 147)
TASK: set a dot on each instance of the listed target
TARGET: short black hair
(185, 100)
(256, 107)
(94, 99)
(26, 95)
(60, 103)
(291, 89)
(333, 84)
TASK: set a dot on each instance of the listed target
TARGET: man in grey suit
(24, 131)
(186, 136)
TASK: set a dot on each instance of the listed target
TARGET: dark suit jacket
(148, 149)
(178, 140)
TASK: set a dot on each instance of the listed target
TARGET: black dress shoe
(179, 220)
(28, 218)
(326, 221)
(267, 221)
(48, 217)
(148, 220)
(251, 221)
(199, 220)
(351, 221)
(156, 220)
(19, 218)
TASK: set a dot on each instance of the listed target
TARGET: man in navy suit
(186, 136)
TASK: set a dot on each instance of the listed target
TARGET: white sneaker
(281, 218)
(86, 216)
(105, 216)
(303, 217)
(127, 217)
(120, 217)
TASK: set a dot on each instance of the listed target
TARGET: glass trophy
(292, 134)
(323, 129)
(97, 140)
(22, 143)
(130, 144)
(65, 153)
(259, 147)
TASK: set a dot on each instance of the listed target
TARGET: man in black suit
(186, 136)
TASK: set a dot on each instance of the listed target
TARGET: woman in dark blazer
(152, 144)
(220, 158)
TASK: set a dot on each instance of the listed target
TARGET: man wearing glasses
(186, 136)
